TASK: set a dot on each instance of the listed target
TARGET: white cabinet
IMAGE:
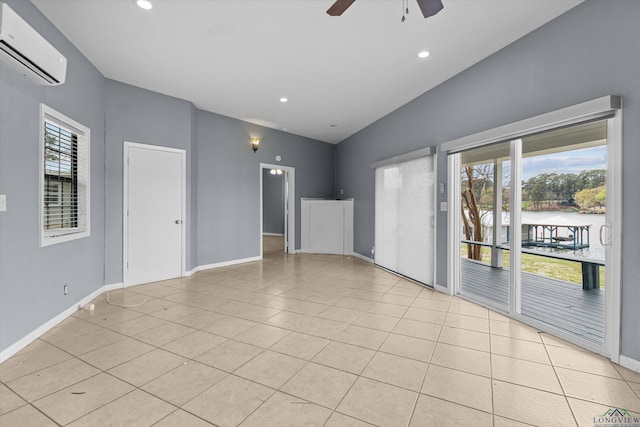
(327, 226)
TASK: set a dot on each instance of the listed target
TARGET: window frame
(60, 235)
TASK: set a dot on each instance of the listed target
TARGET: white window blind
(64, 178)
(404, 219)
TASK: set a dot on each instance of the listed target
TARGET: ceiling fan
(427, 7)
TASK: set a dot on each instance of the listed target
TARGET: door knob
(178, 221)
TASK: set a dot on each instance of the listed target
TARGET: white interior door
(154, 207)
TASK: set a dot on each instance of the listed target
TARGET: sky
(574, 161)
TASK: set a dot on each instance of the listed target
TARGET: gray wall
(223, 186)
(31, 277)
(229, 182)
(589, 52)
(138, 115)
(222, 182)
(272, 202)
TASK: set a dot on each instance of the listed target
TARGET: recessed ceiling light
(283, 99)
(144, 4)
(423, 54)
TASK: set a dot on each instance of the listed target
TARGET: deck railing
(590, 267)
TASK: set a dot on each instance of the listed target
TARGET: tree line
(586, 189)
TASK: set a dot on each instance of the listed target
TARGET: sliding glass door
(485, 223)
(533, 229)
(563, 211)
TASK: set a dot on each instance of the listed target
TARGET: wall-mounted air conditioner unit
(27, 51)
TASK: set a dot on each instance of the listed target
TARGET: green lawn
(560, 269)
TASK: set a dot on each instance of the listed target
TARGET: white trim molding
(443, 289)
(630, 363)
(362, 257)
(453, 217)
(51, 323)
(221, 264)
(83, 157)
(290, 206)
(579, 113)
(423, 152)
(613, 270)
(113, 287)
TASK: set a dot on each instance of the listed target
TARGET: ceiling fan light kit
(427, 7)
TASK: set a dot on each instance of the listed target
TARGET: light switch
(443, 206)
(3, 202)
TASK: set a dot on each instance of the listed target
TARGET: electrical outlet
(66, 289)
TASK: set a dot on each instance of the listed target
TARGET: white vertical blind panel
(388, 183)
(415, 251)
(404, 198)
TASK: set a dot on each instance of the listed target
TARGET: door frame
(289, 209)
(125, 204)
(607, 108)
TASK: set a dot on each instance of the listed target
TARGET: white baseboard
(222, 264)
(362, 257)
(273, 234)
(630, 363)
(35, 334)
(353, 254)
(443, 289)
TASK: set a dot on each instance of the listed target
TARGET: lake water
(595, 249)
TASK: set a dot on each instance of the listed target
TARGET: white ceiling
(238, 57)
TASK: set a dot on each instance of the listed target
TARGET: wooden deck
(555, 302)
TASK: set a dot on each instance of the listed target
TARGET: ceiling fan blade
(430, 7)
(339, 7)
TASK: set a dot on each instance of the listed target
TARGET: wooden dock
(558, 303)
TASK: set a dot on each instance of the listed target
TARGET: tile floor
(303, 340)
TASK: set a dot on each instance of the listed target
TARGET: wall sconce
(255, 143)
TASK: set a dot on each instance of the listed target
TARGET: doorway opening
(277, 209)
